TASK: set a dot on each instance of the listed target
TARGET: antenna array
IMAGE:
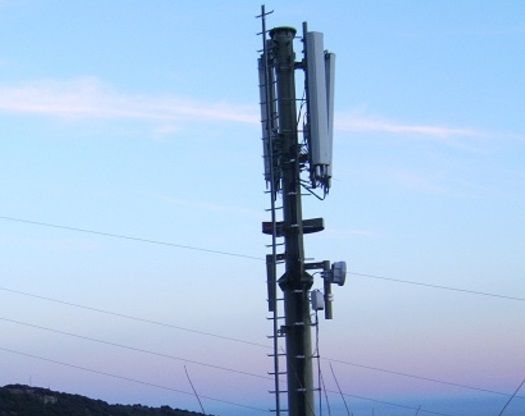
(290, 166)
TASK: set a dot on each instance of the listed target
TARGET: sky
(132, 196)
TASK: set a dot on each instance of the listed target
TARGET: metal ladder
(269, 118)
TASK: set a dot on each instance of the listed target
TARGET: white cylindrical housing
(316, 94)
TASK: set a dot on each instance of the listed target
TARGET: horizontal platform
(313, 225)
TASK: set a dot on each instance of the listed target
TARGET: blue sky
(141, 119)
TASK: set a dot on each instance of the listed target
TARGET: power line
(133, 380)
(220, 252)
(402, 406)
(127, 237)
(135, 349)
(413, 376)
(433, 286)
(339, 389)
(158, 386)
(130, 317)
(250, 257)
(194, 390)
(511, 397)
(363, 366)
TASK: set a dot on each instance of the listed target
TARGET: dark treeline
(20, 400)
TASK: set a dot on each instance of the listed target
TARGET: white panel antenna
(329, 59)
(319, 84)
(268, 111)
(316, 84)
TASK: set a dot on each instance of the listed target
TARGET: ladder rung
(276, 244)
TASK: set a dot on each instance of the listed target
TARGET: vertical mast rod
(295, 283)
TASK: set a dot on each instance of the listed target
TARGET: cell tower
(297, 153)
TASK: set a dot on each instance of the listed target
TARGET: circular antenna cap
(339, 272)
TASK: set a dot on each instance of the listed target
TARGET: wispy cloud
(88, 98)
(360, 122)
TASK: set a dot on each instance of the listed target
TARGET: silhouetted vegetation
(20, 400)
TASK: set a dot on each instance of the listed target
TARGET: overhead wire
(416, 377)
(232, 254)
(339, 390)
(326, 395)
(130, 317)
(194, 390)
(135, 349)
(317, 356)
(127, 237)
(250, 257)
(171, 389)
(442, 287)
(512, 397)
(133, 380)
(385, 402)
(203, 333)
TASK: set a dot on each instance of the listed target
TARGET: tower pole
(295, 283)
